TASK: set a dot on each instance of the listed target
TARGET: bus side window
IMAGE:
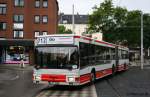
(83, 54)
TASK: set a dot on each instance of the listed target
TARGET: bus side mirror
(37, 67)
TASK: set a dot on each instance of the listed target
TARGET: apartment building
(21, 21)
(81, 22)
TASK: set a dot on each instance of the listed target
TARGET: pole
(142, 41)
(73, 23)
(148, 51)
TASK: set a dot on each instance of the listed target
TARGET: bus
(76, 60)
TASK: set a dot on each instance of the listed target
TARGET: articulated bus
(76, 60)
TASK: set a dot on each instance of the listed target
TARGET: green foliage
(119, 25)
(62, 30)
(146, 30)
(101, 19)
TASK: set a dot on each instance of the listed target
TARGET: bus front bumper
(56, 83)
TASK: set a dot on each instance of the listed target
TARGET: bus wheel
(92, 77)
(125, 67)
(113, 69)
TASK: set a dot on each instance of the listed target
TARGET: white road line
(74, 94)
(41, 94)
(46, 94)
(94, 91)
(89, 91)
(56, 93)
(14, 78)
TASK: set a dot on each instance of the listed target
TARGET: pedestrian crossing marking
(85, 91)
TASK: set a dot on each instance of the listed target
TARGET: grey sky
(85, 6)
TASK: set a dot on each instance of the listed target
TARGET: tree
(62, 30)
(107, 19)
(119, 25)
(146, 19)
(101, 19)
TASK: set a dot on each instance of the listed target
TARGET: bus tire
(92, 77)
(113, 69)
(125, 66)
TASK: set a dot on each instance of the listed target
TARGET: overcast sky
(85, 6)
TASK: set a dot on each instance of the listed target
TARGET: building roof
(67, 19)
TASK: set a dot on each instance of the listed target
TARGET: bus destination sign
(54, 40)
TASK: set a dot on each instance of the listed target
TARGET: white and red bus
(76, 60)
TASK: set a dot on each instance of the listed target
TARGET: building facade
(81, 22)
(21, 21)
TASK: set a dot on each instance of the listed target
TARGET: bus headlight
(37, 78)
(71, 79)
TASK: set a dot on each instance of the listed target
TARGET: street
(131, 83)
(16, 82)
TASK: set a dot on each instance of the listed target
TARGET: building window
(37, 3)
(44, 32)
(19, 3)
(18, 18)
(37, 19)
(45, 3)
(18, 26)
(45, 19)
(2, 26)
(36, 33)
(18, 33)
(2, 9)
(41, 33)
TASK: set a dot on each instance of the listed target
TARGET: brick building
(20, 22)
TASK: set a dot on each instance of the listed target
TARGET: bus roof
(85, 38)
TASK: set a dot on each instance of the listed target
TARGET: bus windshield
(56, 57)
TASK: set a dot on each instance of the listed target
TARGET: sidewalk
(16, 66)
(138, 63)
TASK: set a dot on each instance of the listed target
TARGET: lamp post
(73, 23)
(148, 51)
(142, 41)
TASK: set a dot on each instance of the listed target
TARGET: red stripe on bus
(77, 36)
(100, 74)
(85, 78)
(104, 43)
(86, 38)
(53, 78)
(121, 67)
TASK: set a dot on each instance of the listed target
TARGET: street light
(142, 41)
(73, 22)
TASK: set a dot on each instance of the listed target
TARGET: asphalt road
(15, 82)
(66, 91)
(131, 83)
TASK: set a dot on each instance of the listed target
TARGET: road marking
(41, 94)
(14, 78)
(85, 91)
